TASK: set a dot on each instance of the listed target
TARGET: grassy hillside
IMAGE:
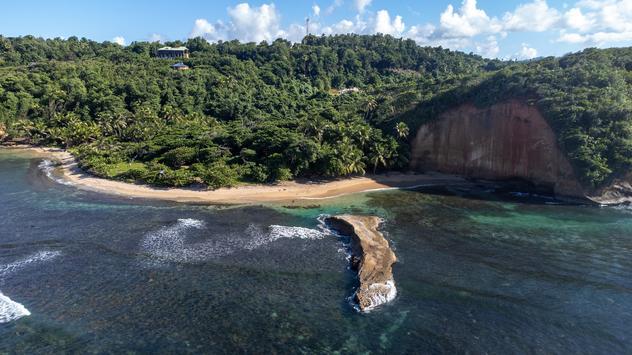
(266, 112)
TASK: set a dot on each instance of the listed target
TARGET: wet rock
(371, 256)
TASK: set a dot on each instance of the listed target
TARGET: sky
(509, 29)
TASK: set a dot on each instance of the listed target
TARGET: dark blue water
(106, 274)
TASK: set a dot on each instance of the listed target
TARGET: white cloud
(361, 5)
(255, 24)
(334, 5)
(463, 27)
(598, 22)
(535, 16)
(155, 37)
(488, 49)
(119, 40)
(575, 19)
(468, 21)
(526, 52)
(202, 28)
(383, 24)
(248, 24)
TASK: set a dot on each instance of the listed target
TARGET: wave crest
(170, 242)
(276, 232)
(48, 168)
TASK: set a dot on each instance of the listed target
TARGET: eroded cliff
(504, 141)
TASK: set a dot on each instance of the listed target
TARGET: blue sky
(507, 29)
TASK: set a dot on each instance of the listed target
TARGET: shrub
(180, 156)
(219, 174)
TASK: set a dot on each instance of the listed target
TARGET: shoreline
(283, 192)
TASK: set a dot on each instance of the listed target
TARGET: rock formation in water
(371, 256)
(504, 141)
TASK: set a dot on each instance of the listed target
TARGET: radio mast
(307, 26)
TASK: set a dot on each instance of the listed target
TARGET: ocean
(478, 272)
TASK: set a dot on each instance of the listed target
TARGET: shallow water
(483, 274)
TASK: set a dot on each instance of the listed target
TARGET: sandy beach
(288, 191)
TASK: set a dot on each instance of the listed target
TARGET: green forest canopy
(275, 111)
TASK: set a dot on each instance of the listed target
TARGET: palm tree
(378, 156)
(402, 130)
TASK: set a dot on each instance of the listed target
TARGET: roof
(180, 65)
(173, 49)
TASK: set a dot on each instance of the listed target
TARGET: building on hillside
(172, 52)
(180, 66)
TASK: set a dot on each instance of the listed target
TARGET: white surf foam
(169, 244)
(276, 232)
(383, 293)
(37, 257)
(48, 168)
(10, 310)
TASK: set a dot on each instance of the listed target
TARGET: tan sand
(290, 191)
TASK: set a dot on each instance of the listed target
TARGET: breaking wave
(170, 243)
(48, 168)
(10, 310)
(381, 293)
(276, 232)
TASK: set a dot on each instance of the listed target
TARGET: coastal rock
(371, 256)
(507, 140)
(3, 132)
(504, 141)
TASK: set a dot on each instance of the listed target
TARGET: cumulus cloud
(467, 21)
(155, 37)
(598, 22)
(526, 52)
(576, 20)
(361, 5)
(536, 16)
(119, 40)
(383, 24)
(249, 24)
(489, 48)
(465, 26)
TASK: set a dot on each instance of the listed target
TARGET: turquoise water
(87, 273)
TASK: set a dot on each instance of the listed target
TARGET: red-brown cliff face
(506, 140)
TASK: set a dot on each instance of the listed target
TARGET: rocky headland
(507, 140)
(371, 256)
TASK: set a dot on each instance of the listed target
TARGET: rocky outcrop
(3, 132)
(619, 191)
(371, 256)
(505, 141)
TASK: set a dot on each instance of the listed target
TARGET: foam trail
(37, 257)
(168, 244)
(276, 232)
(10, 310)
(48, 167)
